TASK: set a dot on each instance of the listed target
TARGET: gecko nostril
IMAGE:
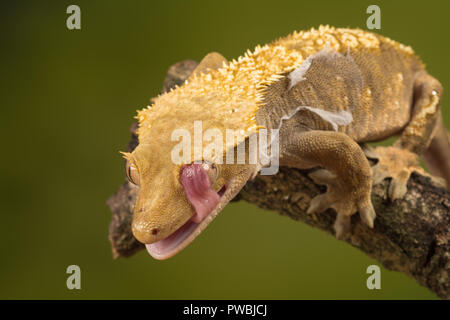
(155, 231)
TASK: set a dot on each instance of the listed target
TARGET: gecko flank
(328, 91)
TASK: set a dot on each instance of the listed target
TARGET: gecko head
(176, 202)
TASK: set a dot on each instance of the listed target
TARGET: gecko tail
(437, 156)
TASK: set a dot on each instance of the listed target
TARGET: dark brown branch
(411, 235)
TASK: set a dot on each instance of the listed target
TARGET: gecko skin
(328, 90)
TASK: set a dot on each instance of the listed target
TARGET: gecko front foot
(397, 164)
(343, 200)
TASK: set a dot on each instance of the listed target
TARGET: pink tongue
(198, 190)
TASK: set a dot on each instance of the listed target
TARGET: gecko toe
(370, 152)
(323, 177)
(398, 186)
(368, 215)
(345, 202)
(318, 204)
(379, 174)
(342, 226)
(397, 164)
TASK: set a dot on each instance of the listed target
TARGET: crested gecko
(326, 91)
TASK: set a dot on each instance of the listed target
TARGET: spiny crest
(227, 98)
(340, 39)
(126, 155)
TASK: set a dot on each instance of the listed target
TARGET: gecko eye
(132, 174)
(211, 170)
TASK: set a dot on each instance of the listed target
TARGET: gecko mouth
(207, 204)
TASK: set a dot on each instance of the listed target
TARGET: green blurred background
(68, 100)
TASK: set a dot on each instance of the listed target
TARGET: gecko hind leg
(400, 160)
(397, 164)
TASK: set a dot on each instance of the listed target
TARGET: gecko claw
(398, 186)
(318, 204)
(323, 177)
(341, 226)
(368, 215)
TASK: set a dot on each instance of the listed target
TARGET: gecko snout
(145, 234)
(148, 224)
(156, 219)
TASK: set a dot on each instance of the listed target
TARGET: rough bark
(411, 235)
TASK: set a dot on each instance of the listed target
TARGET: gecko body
(328, 91)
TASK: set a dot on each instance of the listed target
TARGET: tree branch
(411, 235)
